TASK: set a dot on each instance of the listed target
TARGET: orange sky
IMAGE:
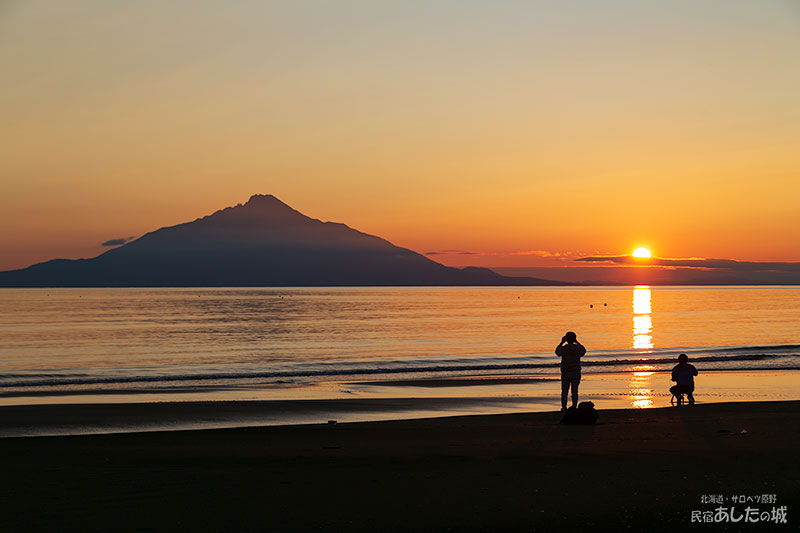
(491, 127)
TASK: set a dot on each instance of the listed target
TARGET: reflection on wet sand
(641, 392)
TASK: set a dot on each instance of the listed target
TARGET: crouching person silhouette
(683, 375)
(570, 351)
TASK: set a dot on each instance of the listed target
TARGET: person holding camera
(570, 351)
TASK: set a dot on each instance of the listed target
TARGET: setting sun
(641, 252)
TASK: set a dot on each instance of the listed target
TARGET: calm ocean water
(57, 341)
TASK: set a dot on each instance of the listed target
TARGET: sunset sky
(520, 132)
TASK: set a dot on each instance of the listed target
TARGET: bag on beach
(585, 413)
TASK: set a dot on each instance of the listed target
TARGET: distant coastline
(626, 276)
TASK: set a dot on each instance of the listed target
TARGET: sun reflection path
(642, 322)
(641, 392)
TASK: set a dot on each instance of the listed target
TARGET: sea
(61, 346)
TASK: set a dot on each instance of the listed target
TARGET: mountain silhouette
(263, 242)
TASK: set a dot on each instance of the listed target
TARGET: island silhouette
(263, 242)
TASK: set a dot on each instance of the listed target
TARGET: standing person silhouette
(570, 351)
(683, 375)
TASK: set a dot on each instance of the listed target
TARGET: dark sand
(637, 470)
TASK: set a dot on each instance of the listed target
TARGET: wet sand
(458, 382)
(99, 418)
(637, 470)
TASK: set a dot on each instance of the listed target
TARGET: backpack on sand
(584, 414)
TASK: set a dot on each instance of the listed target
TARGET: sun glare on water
(641, 252)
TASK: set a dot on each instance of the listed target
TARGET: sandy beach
(635, 470)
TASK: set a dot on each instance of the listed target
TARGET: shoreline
(370, 401)
(639, 469)
(348, 401)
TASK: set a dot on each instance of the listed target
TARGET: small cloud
(540, 253)
(117, 242)
(452, 252)
(516, 253)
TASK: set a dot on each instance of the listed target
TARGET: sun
(641, 252)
